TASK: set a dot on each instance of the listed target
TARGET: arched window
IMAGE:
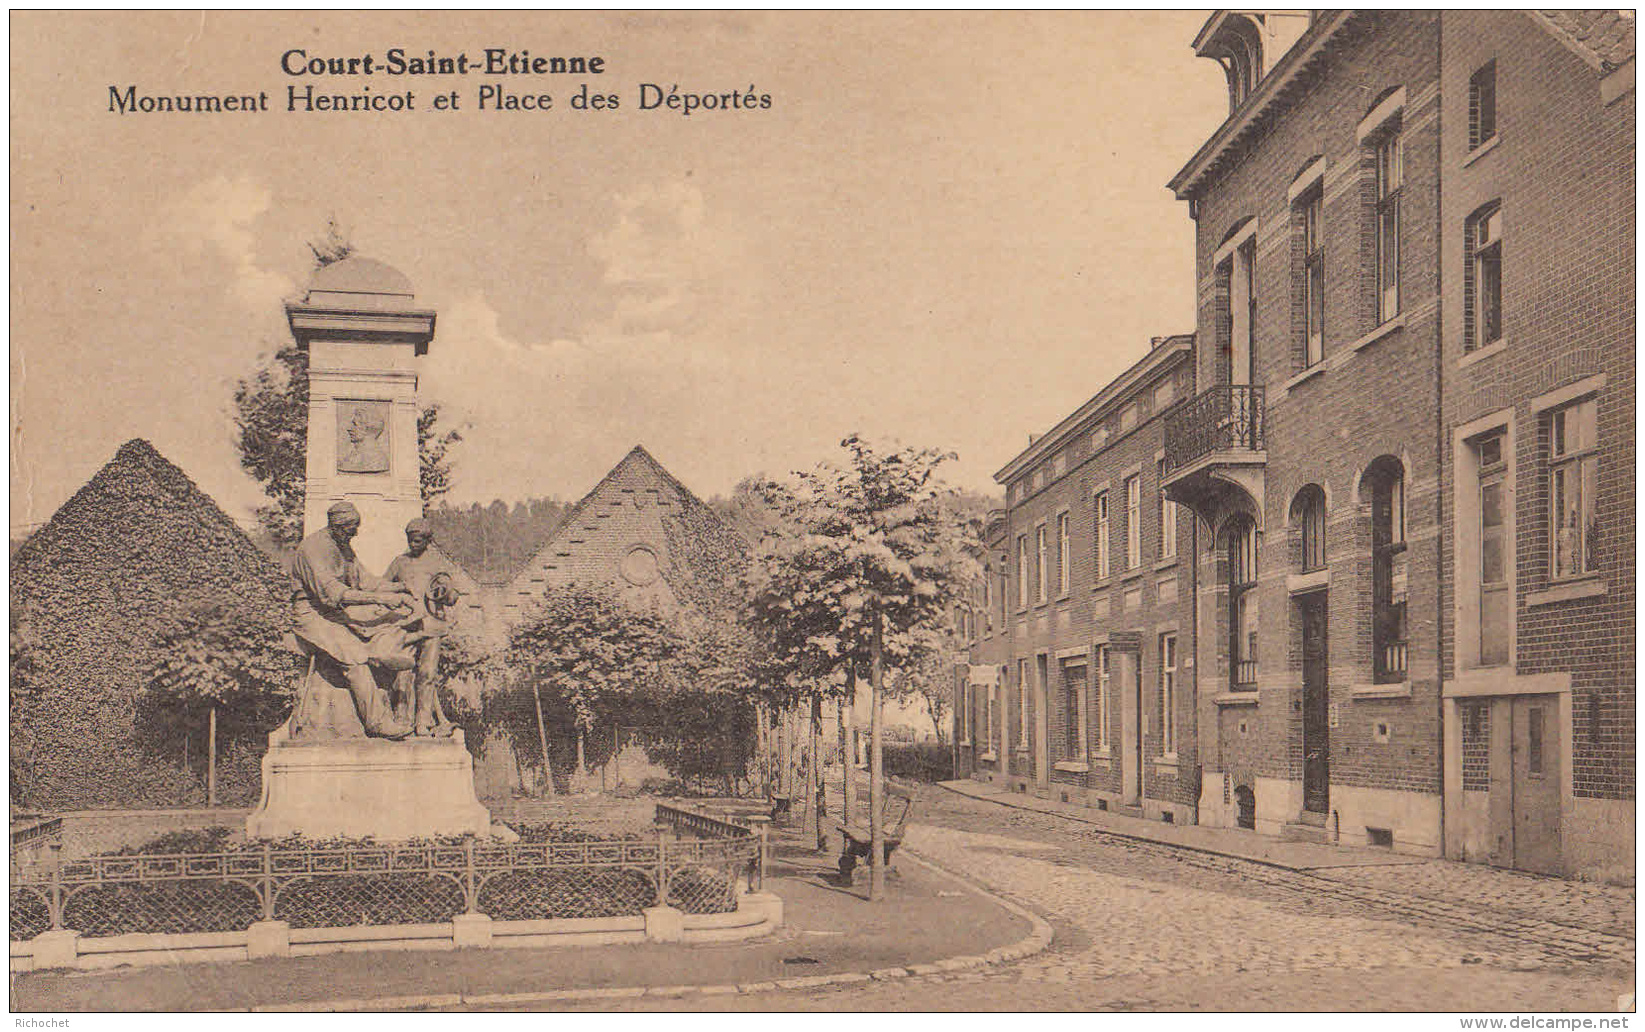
(1385, 479)
(1308, 516)
(1240, 539)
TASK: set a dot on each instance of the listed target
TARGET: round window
(639, 566)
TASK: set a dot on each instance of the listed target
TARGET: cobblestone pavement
(1603, 907)
(1143, 926)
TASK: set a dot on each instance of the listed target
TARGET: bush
(920, 761)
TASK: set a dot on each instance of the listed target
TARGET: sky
(947, 230)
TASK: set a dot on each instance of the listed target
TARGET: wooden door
(1536, 783)
(1316, 706)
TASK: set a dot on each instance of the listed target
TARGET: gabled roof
(1604, 39)
(700, 541)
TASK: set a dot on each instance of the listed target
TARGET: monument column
(363, 332)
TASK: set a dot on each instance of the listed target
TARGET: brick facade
(1051, 636)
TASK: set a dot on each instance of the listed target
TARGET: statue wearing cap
(428, 579)
(342, 614)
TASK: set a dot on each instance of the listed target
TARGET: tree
(225, 663)
(862, 579)
(584, 651)
(433, 467)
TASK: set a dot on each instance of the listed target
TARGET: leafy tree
(433, 467)
(220, 664)
(583, 650)
(867, 578)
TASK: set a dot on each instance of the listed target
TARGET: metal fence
(315, 887)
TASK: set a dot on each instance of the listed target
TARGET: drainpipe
(1443, 540)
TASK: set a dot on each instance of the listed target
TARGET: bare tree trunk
(848, 744)
(542, 737)
(582, 763)
(211, 760)
(815, 777)
(876, 767)
(783, 745)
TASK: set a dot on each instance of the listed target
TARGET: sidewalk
(1449, 885)
(829, 932)
(1234, 842)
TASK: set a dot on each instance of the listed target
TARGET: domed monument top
(360, 300)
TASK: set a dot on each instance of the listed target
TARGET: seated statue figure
(350, 622)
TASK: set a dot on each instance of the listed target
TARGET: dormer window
(1234, 40)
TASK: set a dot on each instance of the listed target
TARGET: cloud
(214, 224)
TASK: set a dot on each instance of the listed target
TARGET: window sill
(1237, 698)
(1166, 563)
(1060, 599)
(1168, 760)
(1297, 583)
(1103, 584)
(1401, 690)
(988, 757)
(1388, 327)
(1132, 574)
(1493, 348)
(1307, 374)
(1569, 591)
(1072, 766)
(1021, 750)
(1483, 149)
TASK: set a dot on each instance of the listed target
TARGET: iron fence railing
(31, 835)
(1222, 418)
(311, 887)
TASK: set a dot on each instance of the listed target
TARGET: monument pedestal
(355, 787)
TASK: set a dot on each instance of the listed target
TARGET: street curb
(1105, 830)
(1036, 940)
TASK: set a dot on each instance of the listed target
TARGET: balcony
(1215, 443)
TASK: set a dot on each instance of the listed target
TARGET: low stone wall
(757, 914)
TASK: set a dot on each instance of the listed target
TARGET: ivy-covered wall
(94, 583)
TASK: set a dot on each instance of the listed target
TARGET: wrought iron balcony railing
(1222, 418)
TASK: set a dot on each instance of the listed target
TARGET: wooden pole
(211, 759)
(542, 737)
(876, 766)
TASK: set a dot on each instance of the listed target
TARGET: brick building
(1081, 684)
(1385, 378)
(1537, 258)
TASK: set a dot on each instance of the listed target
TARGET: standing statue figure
(425, 576)
(340, 612)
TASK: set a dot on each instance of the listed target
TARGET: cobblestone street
(1142, 926)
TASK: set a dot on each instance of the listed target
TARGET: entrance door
(1042, 730)
(1316, 706)
(1536, 776)
(1133, 729)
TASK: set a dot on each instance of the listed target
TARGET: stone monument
(342, 765)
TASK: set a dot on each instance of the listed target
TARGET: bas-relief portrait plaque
(362, 436)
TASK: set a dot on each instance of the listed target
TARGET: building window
(1167, 520)
(1104, 683)
(1572, 477)
(1389, 637)
(1102, 535)
(1482, 293)
(1308, 514)
(1311, 210)
(1482, 106)
(1074, 694)
(1242, 602)
(988, 600)
(1133, 522)
(1022, 704)
(1390, 179)
(962, 708)
(1168, 693)
(988, 714)
(1041, 587)
(1022, 571)
(1495, 604)
(1062, 554)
